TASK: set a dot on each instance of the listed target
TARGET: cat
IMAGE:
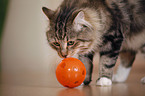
(113, 28)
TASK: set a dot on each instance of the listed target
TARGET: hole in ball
(76, 82)
(83, 73)
(63, 65)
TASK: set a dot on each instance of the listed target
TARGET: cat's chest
(134, 42)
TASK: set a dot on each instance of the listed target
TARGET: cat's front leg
(108, 57)
(106, 65)
(88, 62)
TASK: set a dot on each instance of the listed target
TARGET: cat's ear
(80, 21)
(79, 17)
(48, 12)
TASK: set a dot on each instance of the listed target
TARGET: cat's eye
(56, 44)
(70, 43)
(84, 26)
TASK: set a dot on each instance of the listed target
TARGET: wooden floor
(21, 87)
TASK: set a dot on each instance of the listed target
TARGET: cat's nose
(64, 53)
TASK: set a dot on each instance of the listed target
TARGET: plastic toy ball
(71, 72)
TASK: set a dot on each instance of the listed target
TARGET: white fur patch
(122, 74)
(104, 82)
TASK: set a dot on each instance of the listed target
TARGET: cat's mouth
(62, 55)
(65, 56)
(68, 54)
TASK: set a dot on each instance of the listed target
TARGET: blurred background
(27, 63)
(26, 57)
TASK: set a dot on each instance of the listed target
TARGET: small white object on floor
(143, 80)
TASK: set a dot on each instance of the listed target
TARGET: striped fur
(110, 27)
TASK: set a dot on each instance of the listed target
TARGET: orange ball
(71, 72)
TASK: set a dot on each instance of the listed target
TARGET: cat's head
(69, 32)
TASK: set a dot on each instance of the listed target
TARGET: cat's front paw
(87, 80)
(103, 81)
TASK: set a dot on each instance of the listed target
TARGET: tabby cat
(111, 27)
